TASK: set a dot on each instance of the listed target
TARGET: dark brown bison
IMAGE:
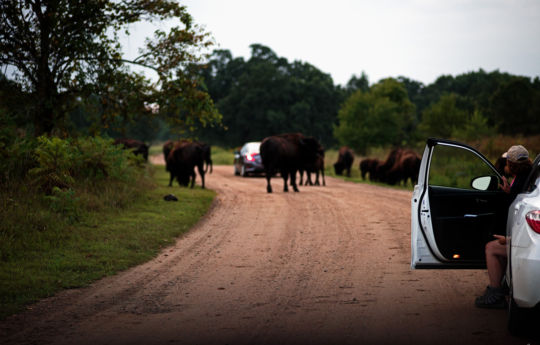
(345, 161)
(318, 168)
(136, 146)
(405, 165)
(182, 160)
(369, 166)
(287, 154)
(207, 156)
(381, 172)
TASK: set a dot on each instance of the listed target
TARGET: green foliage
(445, 119)
(55, 159)
(381, 116)
(60, 162)
(65, 55)
(442, 118)
(267, 95)
(63, 201)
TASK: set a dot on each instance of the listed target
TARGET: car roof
(253, 146)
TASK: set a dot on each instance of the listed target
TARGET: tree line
(267, 94)
(63, 73)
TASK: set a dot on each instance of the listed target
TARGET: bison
(369, 166)
(318, 168)
(136, 146)
(401, 165)
(182, 160)
(288, 153)
(345, 161)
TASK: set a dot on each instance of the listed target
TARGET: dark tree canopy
(267, 95)
(62, 51)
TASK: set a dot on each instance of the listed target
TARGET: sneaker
(493, 298)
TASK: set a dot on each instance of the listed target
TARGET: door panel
(455, 220)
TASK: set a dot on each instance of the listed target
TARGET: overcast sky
(419, 39)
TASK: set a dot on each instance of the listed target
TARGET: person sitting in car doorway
(518, 165)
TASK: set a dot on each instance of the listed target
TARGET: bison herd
(401, 165)
(286, 154)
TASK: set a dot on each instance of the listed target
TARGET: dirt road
(327, 265)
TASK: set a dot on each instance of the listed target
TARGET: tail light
(251, 156)
(533, 219)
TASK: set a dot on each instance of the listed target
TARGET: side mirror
(485, 183)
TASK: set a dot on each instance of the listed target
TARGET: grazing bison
(345, 161)
(182, 160)
(288, 153)
(401, 165)
(136, 146)
(369, 166)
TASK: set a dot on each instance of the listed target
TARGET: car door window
(455, 167)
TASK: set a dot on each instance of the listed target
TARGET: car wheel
(236, 172)
(243, 171)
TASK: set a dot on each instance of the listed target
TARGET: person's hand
(501, 239)
(505, 186)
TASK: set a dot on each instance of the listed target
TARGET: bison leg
(308, 178)
(171, 179)
(293, 181)
(201, 172)
(268, 177)
(284, 175)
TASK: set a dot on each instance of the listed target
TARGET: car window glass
(456, 167)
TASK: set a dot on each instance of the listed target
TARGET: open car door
(456, 207)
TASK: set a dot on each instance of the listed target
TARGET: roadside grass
(53, 254)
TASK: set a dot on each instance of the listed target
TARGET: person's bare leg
(496, 262)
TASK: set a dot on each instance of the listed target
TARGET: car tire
(236, 172)
(243, 171)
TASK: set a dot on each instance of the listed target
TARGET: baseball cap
(516, 153)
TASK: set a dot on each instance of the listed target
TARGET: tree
(61, 50)
(443, 118)
(267, 95)
(515, 107)
(380, 117)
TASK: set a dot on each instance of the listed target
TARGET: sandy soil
(327, 265)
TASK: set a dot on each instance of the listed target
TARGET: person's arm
(505, 186)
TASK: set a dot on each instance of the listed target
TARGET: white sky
(418, 39)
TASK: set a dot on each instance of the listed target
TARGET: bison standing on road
(318, 168)
(182, 160)
(345, 161)
(136, 146)
(288, 153)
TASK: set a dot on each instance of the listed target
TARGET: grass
(50, 258)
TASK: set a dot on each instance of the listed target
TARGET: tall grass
(63, 237)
